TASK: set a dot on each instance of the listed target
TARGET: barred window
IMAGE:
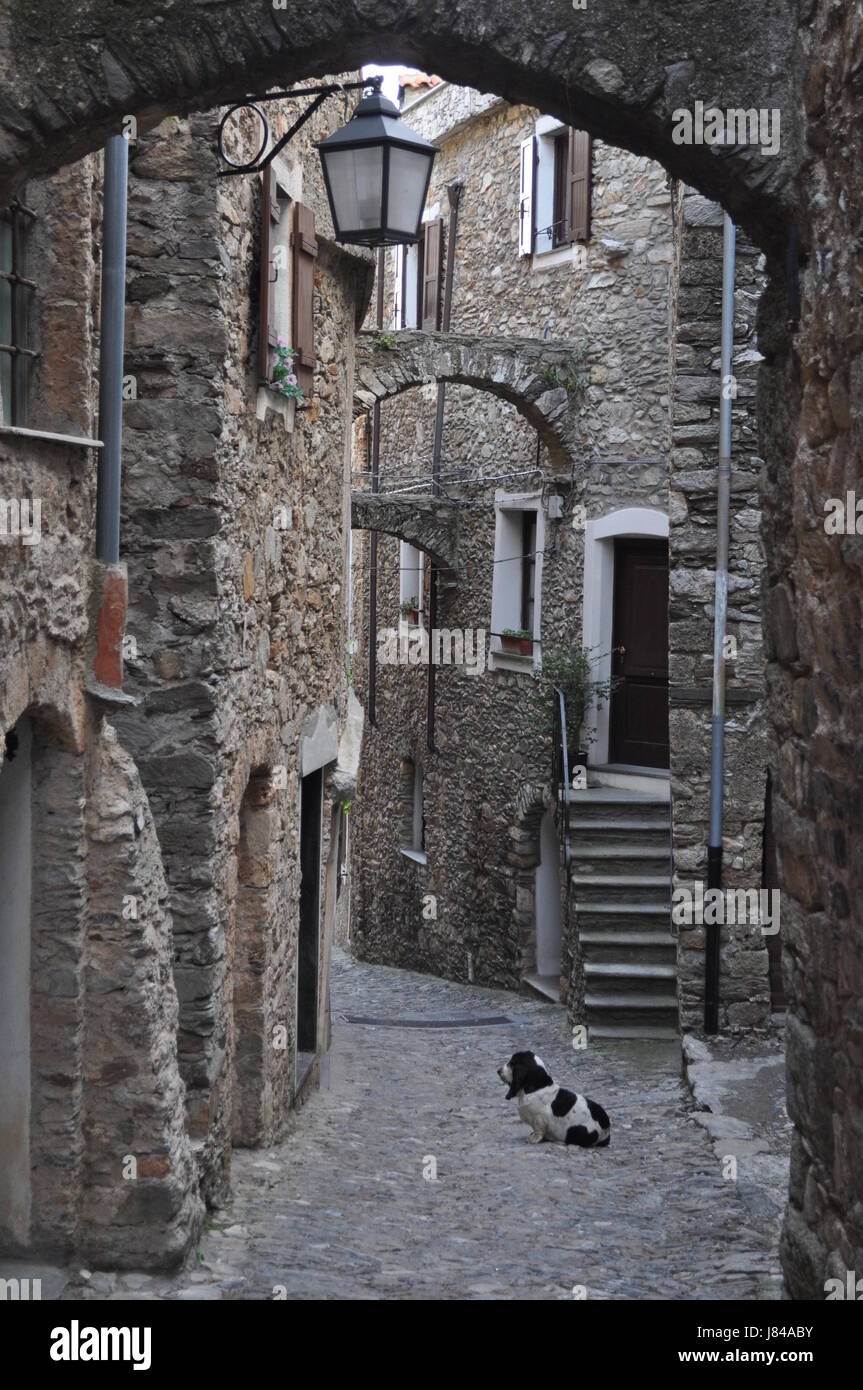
(16, 297)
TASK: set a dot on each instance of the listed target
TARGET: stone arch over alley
(619, 72)
(542, 379)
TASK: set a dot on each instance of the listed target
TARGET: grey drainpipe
(111, 354)
(723, 493)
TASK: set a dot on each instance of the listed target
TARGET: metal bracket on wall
(253, 103)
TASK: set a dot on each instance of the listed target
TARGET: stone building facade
(171, 800)
(620, 71)
(582, 389)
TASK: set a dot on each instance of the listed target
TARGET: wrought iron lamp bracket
(254, 103)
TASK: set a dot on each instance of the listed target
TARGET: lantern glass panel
(356, 180)
(409, 172)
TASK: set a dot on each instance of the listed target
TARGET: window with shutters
(289, 250)
(516, 594)
(555, 188)
(408, 286)
(432, 276)
(16, 298)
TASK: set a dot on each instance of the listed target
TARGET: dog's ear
(519, 1065)
(516, 1072)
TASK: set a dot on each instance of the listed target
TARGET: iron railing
(560, 779)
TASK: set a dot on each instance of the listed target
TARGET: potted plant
(410, 609)
(571, 670)
(517, 639)
(284, 378)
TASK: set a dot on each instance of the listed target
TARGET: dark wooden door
(639, 704)
(310, 903)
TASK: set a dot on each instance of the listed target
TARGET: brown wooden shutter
(305, 245)
(267, 327)
(432, 262)
(579, 185)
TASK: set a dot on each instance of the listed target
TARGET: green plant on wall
(572, 670)
(385, 340)
(570, 375)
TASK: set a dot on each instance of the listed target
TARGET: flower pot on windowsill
(522, 646)
(412, 617)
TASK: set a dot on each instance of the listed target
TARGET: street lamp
(377, 174)
(376, 171)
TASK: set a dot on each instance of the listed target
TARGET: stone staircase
(621, 886)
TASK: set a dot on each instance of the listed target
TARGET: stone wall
(166, 892)
(234, 535)
(812, 598)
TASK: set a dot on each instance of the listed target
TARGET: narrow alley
(342, 1209)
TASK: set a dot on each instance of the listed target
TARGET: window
(528, 569)
(288, 252)
(419, 280)
(517, 578)
(411, 583)
(419, 822)
(16, 294)
(412, 811)
(554, 203)
(560, 222)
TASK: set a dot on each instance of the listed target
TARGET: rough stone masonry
(620, 71)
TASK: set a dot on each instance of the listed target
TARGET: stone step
(637, 1032)
(633, 857)
(605, 803)
(653, 834)
(545, 987)
(631, 981)
(624, 917)
(623, 946)
(654, 889)
(628, 1010)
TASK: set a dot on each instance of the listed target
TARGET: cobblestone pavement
(341, 1209)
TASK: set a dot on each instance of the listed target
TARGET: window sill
(575, 254)
(48, 435)
(280, 405)
(511, 661)
(417, 855)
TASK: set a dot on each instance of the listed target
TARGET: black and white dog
(551, 1111)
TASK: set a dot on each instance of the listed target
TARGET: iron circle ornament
(252, 164)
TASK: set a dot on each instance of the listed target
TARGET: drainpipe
(373, 538)
(723, 492)
(111, 354)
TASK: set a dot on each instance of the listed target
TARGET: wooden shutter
(579, 185)
(267, 327)
(526, 218)
(305, 246)
(432, 263)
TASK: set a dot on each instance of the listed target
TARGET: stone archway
(619, 70)
(536, 376)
